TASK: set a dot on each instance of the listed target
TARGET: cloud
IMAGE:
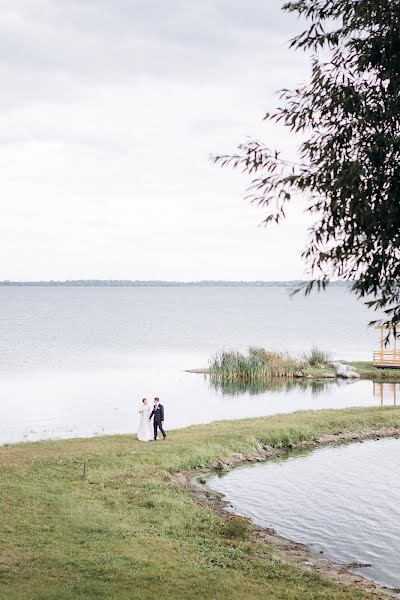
(109, 110)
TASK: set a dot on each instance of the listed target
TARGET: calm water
(77, 361)
(344, 501)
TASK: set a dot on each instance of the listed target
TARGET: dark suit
(158, 414)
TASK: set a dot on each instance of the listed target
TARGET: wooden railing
(387, 358)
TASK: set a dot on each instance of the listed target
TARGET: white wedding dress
(145, 432)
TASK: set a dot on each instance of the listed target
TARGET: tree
(349, 165)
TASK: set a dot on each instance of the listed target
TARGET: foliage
(349, 162)
(316, 357)
(236, 528)
(258, 365)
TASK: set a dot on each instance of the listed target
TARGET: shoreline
(293, 551)
(78, 514)
(364, 369)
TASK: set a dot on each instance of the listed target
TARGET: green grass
(259, 364)
(367, 371)
(317, 357)
(128, 532)
(317, 371)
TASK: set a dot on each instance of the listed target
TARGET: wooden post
(84, 474)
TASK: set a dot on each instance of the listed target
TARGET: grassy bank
(366, 370)
(128, 532)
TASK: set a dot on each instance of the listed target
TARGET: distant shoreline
(160, 283)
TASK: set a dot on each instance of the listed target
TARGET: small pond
(342, 500)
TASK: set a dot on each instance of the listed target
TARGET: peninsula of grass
(261, 365)
(106, 518)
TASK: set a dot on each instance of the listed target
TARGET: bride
(145, 433)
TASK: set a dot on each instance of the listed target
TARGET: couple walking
(145, 432)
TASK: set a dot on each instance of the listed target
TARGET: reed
(317, 357)
(258, 365)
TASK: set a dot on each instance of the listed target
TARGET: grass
(317, 357)
(128, 531)
(258, 364)
(367, 371)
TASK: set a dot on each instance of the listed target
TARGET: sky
(109, 111)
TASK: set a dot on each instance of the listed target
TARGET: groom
(158, 414)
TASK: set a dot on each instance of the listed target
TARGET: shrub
(236, 528)
(316, 357)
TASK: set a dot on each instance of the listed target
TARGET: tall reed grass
(258, 364)
(316, 357)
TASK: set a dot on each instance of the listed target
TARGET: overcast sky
(109, 110)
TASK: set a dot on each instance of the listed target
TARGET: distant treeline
(156, 283)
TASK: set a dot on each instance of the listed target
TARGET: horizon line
(155, 282)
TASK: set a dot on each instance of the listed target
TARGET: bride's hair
(144, 400)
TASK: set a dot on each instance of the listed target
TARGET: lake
(76, 361)
(343, 501)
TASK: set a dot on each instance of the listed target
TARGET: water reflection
(386, 393)
(315, 387)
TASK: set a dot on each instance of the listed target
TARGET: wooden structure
(387, 357)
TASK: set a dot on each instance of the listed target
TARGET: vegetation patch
(235, 372)
(260, 364)
(131, 530)
(366, 370)
(317, 357)
(236, 528)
